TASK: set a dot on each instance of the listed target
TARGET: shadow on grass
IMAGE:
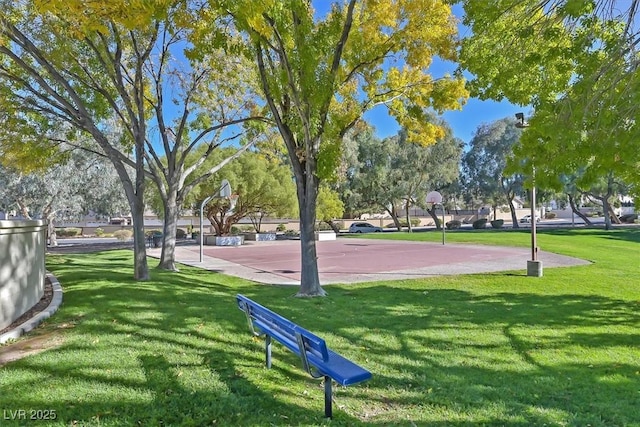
(176, 351)
(532, 355)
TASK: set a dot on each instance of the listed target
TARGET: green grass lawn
(487, 349)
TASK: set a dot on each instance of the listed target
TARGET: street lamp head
(520, 123)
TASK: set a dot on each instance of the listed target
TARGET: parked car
(363, 227)
(527, 219)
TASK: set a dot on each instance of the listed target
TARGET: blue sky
(464, 122)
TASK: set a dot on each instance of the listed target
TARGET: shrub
(628, 218)
(454, 224)
(99, 232)
(123, 235)
(180, 233)
(497, 223)
(414, 222)
(68, 232)
(479, 223)
(550, 215)
(150, 233)
(281, 227)
(323, 226)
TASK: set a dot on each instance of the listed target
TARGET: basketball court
(351, 260)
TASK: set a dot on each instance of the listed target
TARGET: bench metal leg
(267, 351)
(328, 412)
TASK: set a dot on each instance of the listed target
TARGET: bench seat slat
(284, 339)
(342, 370)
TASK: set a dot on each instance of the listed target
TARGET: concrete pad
(355, 260)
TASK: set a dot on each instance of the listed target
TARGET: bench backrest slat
(283, 329)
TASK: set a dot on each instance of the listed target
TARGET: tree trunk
(24, 210)
(135, 197)
(51, 231)
(394, 216)
(307, 197)
(140, 266)
(434, 216)
(406, 209)
(576, 211)
(49, 215)
(605, 210)
(259, 224)
(169, 230)
(333, 226)
(514, 217)
(614, 217)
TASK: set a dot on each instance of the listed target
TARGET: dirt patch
(27, 347)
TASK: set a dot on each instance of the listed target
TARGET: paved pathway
(360, 260)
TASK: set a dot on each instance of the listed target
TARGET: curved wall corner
(22, 268)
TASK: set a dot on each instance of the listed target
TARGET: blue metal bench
(317, 359)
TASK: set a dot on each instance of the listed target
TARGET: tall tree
(131, 63)
(417, 170)
(329, 207)
(394, 173)
(348, 168)
(320, 72)
(61, 66)
(576, 63)
(263, 186)
(485, 165)
(370, 179)
(82, 184)
(200, 103)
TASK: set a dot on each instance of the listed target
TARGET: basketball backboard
(434, 197)
(225, 188)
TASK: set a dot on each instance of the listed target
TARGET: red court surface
(358, 260)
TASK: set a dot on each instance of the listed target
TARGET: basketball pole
(225, 191)
(443, 227)
(201, 231)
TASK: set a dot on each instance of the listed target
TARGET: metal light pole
(534, 266)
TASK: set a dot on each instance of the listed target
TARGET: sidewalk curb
(32, 323)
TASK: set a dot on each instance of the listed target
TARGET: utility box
(22, 268)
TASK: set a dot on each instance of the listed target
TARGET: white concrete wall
(22, 269)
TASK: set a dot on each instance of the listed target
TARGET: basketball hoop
(434, 198)
(233, 199)
(225, 189)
